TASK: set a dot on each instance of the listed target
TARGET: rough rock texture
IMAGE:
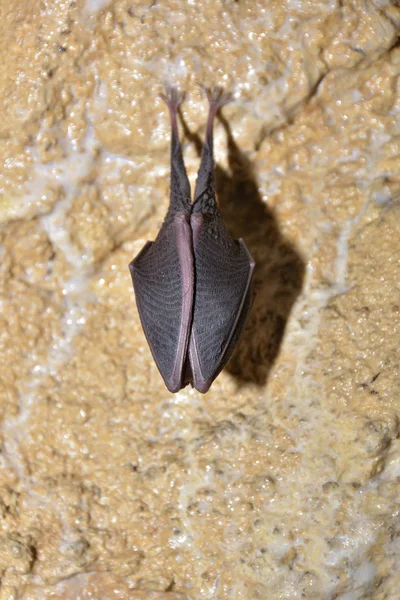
(283, 481)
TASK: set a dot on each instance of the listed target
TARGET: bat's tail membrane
(204, 195)
(180, 187)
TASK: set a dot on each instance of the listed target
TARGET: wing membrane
(222, 298)
(162, 276)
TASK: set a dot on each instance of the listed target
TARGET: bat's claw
(216, 99)
(172, 97)
(216, 96)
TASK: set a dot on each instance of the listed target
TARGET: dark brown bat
(192, 284)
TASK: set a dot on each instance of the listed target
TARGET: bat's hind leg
(180, 187)
(204, 195)
(173, 99)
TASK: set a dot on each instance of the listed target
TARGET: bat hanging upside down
(192, 284)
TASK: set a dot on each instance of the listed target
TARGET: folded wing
(222, 297)
(162, 276)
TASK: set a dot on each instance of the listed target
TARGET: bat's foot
(172, 98)
(217, 97)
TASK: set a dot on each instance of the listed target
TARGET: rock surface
(283, 481)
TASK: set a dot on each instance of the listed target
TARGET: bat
(193, 283)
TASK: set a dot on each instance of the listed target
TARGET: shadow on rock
(279, 272)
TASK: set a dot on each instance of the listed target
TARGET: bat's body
(192, 284)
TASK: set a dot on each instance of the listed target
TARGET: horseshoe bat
(192, 284)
